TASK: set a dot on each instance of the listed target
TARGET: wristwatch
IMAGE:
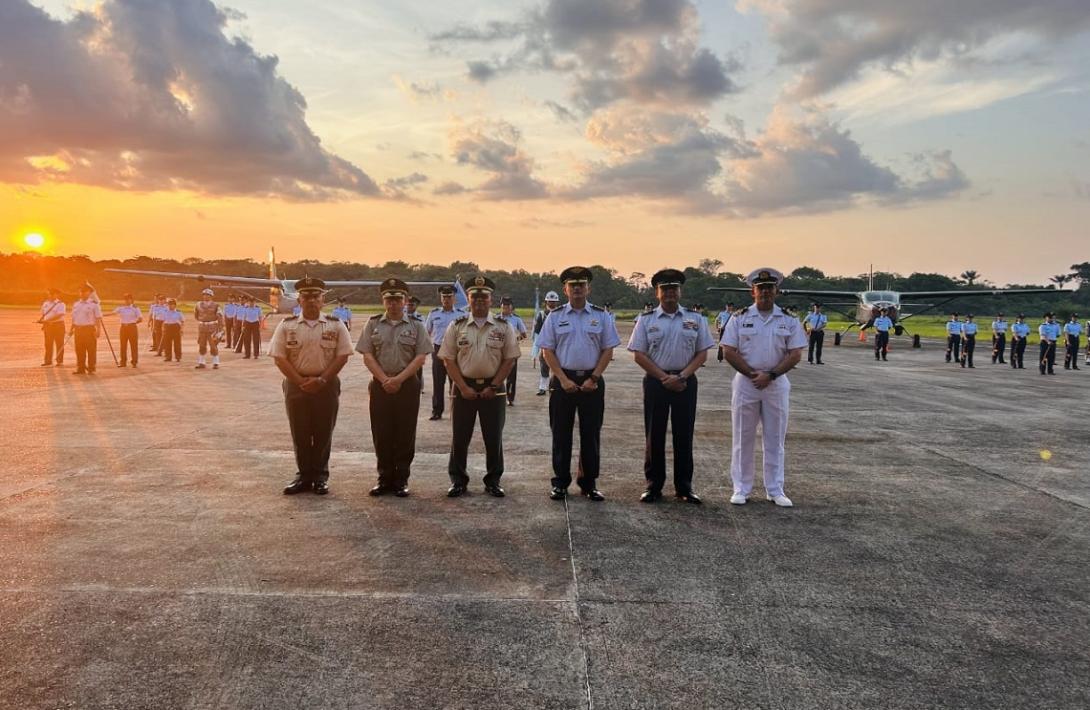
(772, 375)
(596, 378)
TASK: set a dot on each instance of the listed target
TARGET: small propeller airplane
(868, 304)
(282, 294)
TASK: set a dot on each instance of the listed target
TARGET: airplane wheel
(915, 341)
(836, 339)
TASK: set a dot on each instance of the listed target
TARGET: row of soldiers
(478, 350)
(961, 341)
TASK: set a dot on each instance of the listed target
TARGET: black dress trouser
(171, 341)
(438, 383)
(130, 338)
(1018, 353)
(953, 347)
(1048, 356)
(463, 415)
(881, 342)
(661, 405)
(86, 345)
(312, 416)
(999, 345)
(393, 430)
(563, 407)
(817, 341)
(1071, 353)
(54, 341)
(967, 350)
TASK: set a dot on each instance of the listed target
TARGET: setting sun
(34, 240)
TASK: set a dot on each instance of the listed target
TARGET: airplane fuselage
(872, 302)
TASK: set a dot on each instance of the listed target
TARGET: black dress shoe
(558, 493)
(594, 494)
(380, 490)
(494, 491)
(321, 487)
(689, 497)
(402, 492)
(653, 496)
(435, 417)
(456, 490)
(297, 486)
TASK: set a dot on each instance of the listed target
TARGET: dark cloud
(397, 186)
(151, 94)
(834, 40)
(641, 50)
(561, 112)
(450, 188)
(493, 147)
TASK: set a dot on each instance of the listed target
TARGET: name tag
(689, 325)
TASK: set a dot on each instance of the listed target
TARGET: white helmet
(552, 296)
(207, 292)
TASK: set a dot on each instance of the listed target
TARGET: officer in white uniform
(762, 343)
(129, 335)
(86, 322)
(52, 321)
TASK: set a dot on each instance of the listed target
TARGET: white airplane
(282, 294)
(868, 304)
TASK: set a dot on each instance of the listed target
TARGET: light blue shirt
(817, 321)
(516, 323)
(155, 312)
(437, 321)
(671, 339)
(1020, 329)
(1073, 328)
(953, 327)
(343, 313)
(578, 337)
(883, 324)
(721, 319)
(229, 310)
(1049, 331)
(250, 314)
(968, 328)
(999, 326)
(128, 315)
(170, 317)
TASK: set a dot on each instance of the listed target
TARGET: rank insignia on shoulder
(333, 318)
(597, 308)
(376, 316)
(292, 318)
(501, 319)
(461, 319)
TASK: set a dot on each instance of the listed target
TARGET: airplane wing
(792, 291)
(987, 292)
(360, 284)
(213, 278)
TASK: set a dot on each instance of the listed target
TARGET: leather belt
(578, 373)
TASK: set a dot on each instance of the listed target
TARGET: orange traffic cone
(862, 336)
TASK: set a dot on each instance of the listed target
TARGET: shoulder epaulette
(375, 317)
(434, 310)
(597, 308)
(292, 318)
(501, 319)
(333, 318)
(459, 319)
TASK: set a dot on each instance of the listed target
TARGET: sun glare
(34, 240)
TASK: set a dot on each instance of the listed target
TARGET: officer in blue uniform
(155, 322)
(1050, 333)
(968, 341)
(436, 324)
(552, 302)
(815, 322)
(507, 310)
(229, 310)
(577, 342)
(721, 321)
(999, 339)
(953, 338)
(882, 325)
(343, 313)
(1072, 330)
(412, 304)
(129, 336)
(670, 344)
(1019, 333)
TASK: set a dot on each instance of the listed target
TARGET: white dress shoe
(781, 500)
(738, 499)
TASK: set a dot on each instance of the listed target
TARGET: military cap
(667, 277)
(1021, 315)
(309, 283)
(1047, 314)
(883, 309)
(479, 284)
(86, 287)
(53, 290)
(764, 275)
(395, 287)
(173, 300)
(207, 292)
(968, 315)
(552, 297)
(506, 301)
(576, 274)
(414, 300)
(126, 295)
(999, 314)
(446, 290)
(607, 304)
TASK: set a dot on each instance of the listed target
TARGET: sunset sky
(931, 135)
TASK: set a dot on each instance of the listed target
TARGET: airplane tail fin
(274, 293)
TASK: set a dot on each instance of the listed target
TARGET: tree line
(27, 275)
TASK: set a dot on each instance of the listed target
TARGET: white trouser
(748, 406)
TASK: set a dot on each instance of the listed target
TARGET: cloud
(539, 223)
(809, 164)
(833, 41)
(640, 50)
(397, 187)
(151, 94)
(493, 147)
(561, 112)
(450, 188)
(417, 91)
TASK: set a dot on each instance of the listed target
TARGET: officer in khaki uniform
(310, 349)
(478, 350)
(394, 348)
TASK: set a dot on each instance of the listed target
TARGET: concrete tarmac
(937, 556)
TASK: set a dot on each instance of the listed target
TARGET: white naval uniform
(763, 343)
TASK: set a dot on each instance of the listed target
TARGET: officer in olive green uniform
(310, 349)
(394, 347)
(478, 350)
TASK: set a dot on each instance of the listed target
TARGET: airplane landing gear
(915, 341)
(836, 338)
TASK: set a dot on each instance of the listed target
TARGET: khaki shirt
(394, 343)
(479, 351)
(310, 346)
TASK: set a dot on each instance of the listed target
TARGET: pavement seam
(310, 594)
(578, 611)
